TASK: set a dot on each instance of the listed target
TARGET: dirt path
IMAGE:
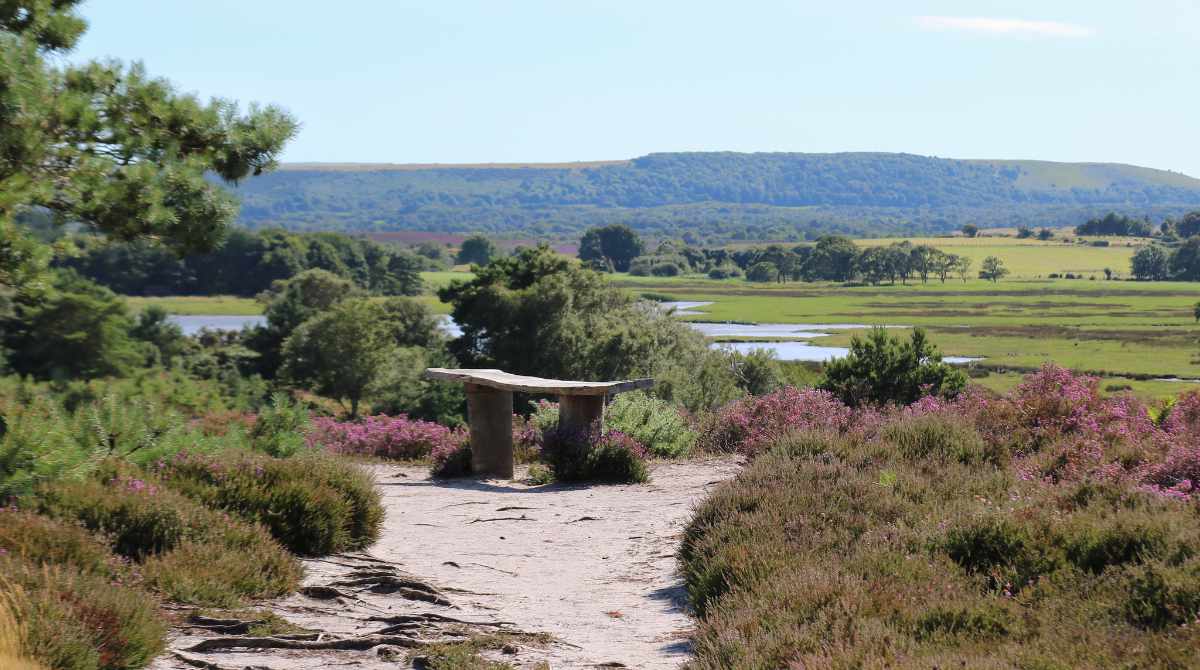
(592, 566)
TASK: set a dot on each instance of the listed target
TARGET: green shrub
(314, 504)
(654, 423)
(188, 552)
(39, 540)
(901, 548)
(588, 455)
(940, 438)
(82, 622)
(280, 427)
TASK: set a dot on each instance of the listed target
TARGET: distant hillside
(711, 195)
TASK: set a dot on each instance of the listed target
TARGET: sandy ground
(593, 566)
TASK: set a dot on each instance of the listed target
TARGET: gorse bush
(313, 504)
(653, 423)
(1050, 527)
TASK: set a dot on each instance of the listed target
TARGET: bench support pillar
(489, 413)
(578, 412)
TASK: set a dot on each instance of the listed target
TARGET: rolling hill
(711, 195)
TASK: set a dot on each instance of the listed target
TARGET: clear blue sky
(560, 80)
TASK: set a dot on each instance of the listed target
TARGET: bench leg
(489, 413)
(580, 411)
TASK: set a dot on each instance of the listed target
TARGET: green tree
(290, 303)
(610, 247)
(76, 329)
(1188, 226)
(970, 230)
(832, 259)
(962, 266)
(108, 146)
(992, 269)
(340, 353)
(477, 250)
(1045, 234)
(165, 338)
(1185, 261)
(1149, 262)
(537, 313)
(762, 271)
(411, 323)
(881, 369)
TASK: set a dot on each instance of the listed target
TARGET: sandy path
(594, 566)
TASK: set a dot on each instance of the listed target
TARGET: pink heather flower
(386, 437)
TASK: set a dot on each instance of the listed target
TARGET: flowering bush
(751, 424)
(397, 437)
(592, 455)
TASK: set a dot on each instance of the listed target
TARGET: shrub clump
(1051, 527)
(397, 438)
(654, 423)
(592, 455)
(752, 424)
(313, 504)
(78, 621)
(186, 551)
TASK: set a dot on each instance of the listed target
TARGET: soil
(573, 576)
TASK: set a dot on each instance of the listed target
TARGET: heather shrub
(76, 621)
(750, 425)
(222, 572)
(39, 540)
(452, 460)
(589, 455)
(178, 542)
(1032, 530)
(313, 504)
(138, 517)
(939, 437)
(654, 423)
(397, 438)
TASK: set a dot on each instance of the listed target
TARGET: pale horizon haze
(544, 81)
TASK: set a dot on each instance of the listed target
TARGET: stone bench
(490, 409)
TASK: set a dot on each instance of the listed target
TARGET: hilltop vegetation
(715, 196)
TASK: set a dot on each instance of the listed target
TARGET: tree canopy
(611, 247)
(881, 369)
(111, 147)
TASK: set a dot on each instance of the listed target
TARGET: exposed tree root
(344, 644)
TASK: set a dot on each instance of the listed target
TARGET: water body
(784, 350)
(194, 323)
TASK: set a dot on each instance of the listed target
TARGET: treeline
(1156, 262)
(246, 264)
(831, 258)
(1171, 229)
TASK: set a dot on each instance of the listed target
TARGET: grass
(1115, 328)
(223, 305)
